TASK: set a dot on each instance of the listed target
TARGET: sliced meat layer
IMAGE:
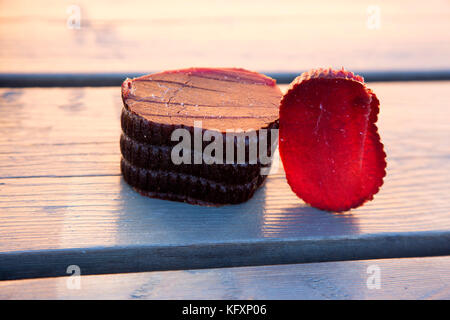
(329, 143)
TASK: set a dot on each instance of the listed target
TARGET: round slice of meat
(216, 103)
(220, 98)
(329, 144)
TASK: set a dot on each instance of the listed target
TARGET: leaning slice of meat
(329, 143)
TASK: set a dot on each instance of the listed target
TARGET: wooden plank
(414, 278)
(136, 36)
(193, 255)
(60, 188)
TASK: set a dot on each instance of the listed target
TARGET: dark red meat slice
(329, 143)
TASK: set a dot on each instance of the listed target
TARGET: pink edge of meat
(238, 74)
(328, 73)
(126, 88)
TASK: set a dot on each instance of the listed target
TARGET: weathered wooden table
(63, 202)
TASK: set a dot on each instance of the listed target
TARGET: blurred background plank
(415, 278)
(27, 80)
(263, 35)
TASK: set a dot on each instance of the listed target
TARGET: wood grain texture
(414, 278)
(60, 186)
(139, 36)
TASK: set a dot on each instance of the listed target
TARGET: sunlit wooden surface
(63, 201)
(60, 188)
(414, 278)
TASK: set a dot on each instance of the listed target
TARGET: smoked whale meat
(220, 100)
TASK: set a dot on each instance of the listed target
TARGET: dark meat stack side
(222, 99)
